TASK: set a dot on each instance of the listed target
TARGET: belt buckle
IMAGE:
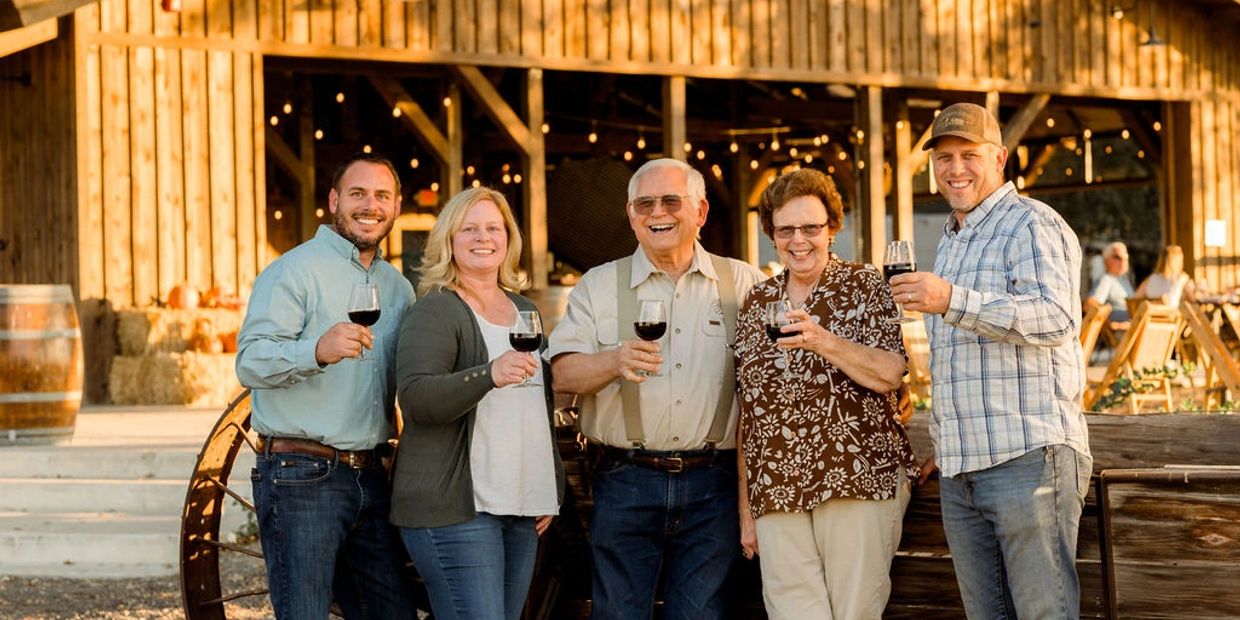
(677, 464)
(351, 460)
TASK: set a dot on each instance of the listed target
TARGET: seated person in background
(1113, 287)
(1169, 281)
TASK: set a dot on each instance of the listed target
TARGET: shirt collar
(979, 213)
(343, 247)
(643, 268)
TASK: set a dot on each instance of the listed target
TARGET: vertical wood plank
(244, 19)
(117, 180)
(682, 39)
(222, 153)
(1065, 42)
(929, 37)
(1209, 179)
(421, 31)
(819, 50)
(799, 34)
(1129, 38)
(621, 31)
(983, 43)
(532, 28)
(488, 27)
(910, 37)
(1162, 17)
(260, 176)
(855, 31)
(465, 26)
(780, 32)
(1015, 16)
(395, 22)
(1097, 45)
(1175, 45)
(721, 25)
(575, 28)
(322, 20)
(892, 19)
(534, 191)
(947, 36)
(370, 23)
(345, 24)
(596, 28)
(762, 34)
(113, 16)
(963, 37)
(742, 33)
(91, 283)
(509, 27)
(639, 18)
(195, 127)
(553, 22)
(143, 196)
(871, 199)
(700, 29)
(674, 116)
(170, 188)
(244, 165)
(270, 20)
(876, 52)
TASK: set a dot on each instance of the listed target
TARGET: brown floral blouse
(817, 434)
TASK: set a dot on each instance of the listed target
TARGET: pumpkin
(183, 297)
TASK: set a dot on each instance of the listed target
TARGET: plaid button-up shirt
(1005, 357)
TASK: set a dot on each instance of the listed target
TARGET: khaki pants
(834, 562)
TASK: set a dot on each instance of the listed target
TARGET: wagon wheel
(201, 543)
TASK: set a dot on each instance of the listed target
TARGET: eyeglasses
(644, 205)
(807, 230)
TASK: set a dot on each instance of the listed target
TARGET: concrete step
(146, 497)
(135, 462)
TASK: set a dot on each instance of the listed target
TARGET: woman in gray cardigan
(478, 477)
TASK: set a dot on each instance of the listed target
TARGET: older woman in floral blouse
(825, 462)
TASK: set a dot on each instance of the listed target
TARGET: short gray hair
(1116, 249)
(694, 183)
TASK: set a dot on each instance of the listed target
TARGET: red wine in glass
(525, 335)
(899, 261)
(776, 317)
(773, 332)
(651, 323)
(364, 317)
(525, 342)
(898, 269)
(650, 330)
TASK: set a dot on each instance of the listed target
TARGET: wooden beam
(1140, 131)
(413, 116)
(902, 216)
(1033, 169)
(1015, 128)
(453, 162)
(917, 157)
(16, 14)
(871, 199)
(495, 106)
(534, 190)
(992, 102)
(674, 116)
(14, 41)
(284, 157)
(308, 223)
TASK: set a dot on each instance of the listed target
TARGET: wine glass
(364, 308)
(899, 260)
(525, 335)
(775, 318)
(651, 324)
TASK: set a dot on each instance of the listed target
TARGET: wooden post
(308, 224)
(1015, 128)
(742, 243)
(902, 216)
(453, 181)
(870, 196)
(674, 116)
(535, 186)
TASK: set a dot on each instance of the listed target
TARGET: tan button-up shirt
(678, 405)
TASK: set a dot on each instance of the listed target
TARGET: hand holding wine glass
(775, 318)
(651, 324)
(525, 335)
(364, 309)
(898, 261)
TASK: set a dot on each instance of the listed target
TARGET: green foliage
(247, 533)
(1140, 383)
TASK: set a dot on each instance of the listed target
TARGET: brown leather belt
(353, 459)
(670, 462)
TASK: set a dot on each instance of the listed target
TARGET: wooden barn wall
(181, 180)
(38, 195)
(172, 158)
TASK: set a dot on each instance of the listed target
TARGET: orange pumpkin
(182, 297)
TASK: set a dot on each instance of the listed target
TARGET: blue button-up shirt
(296, 299)
(1006, 362)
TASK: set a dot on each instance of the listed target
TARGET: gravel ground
(157, 598)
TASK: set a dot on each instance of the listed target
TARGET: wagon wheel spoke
(231, 547)
(234, 596)
(231, 493)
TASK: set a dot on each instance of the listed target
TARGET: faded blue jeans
(324, 530)
(684, 524)
(1012, 532)
(476, 570)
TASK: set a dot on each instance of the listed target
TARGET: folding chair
(1096, 316)
(1146, 345)
(1217, 360)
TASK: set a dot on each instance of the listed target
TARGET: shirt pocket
(608, 334)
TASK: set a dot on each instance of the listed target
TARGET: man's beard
(340, 222)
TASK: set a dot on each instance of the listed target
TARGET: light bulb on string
(279, 215)
(447, 102)
(641, 142)
(434, 186)
(414, 163)
(817, 140)
(593, 136)
(507, 178)
(476, 183)
(1124, 134)
(516, 178)
(1050, 122)
(470, 170)
(701, 154)
(792, 152)
(318, 134)
(275, 120)
(809, 159)
(734, 147)
(396, 112)
(688, 147)
(774, 141)
(1157, 126)
(628, 156)
(288, 107)
(318, 212)
(546, 129)
(340, 97)
(753, 164)
(366, 148)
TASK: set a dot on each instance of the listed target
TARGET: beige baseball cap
(966, 120)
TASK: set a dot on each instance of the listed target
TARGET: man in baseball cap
(1010, 439)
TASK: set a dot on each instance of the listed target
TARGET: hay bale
(146, 331)
(189, 378)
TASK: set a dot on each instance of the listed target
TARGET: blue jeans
(476, 570)
(1012, 533)
(645, 520)
(324, 531)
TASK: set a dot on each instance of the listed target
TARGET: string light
(339, 97)
(318, 212)
(505, 168)
(275, 120)
(641, 142)
(688, 147)
(861, 164)
(830, 169)
(860, 135)
(628, 156)
(817, 140)
(435, 186)
(593, 137)
(1141, 154)
(1107, 149)
(753, 164)
(1050, 122)
(809, 159)
(414, 163)
(318, 134)
(507, 178)
(396, 112)
(1124, 134)
(476, 183)
(825, 138)
(734, 147)
(842, 156)
(1067, 171)
(516, 178)
(366, 148)
(701, 154)
(546, 129)
(774, 141)
(470, 170)
(1157, 126)
(288, 107)
(792, 152)
(447, 102)
(1020, 182)
(279, 215)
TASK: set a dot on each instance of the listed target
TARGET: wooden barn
(146, 144)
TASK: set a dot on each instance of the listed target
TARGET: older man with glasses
(660, 415)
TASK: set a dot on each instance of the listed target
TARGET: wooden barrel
(40, 364)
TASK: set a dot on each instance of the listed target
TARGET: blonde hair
(438, 269)
(1164, 261)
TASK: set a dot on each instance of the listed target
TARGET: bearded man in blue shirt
(1003, 315)
(323, 411)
